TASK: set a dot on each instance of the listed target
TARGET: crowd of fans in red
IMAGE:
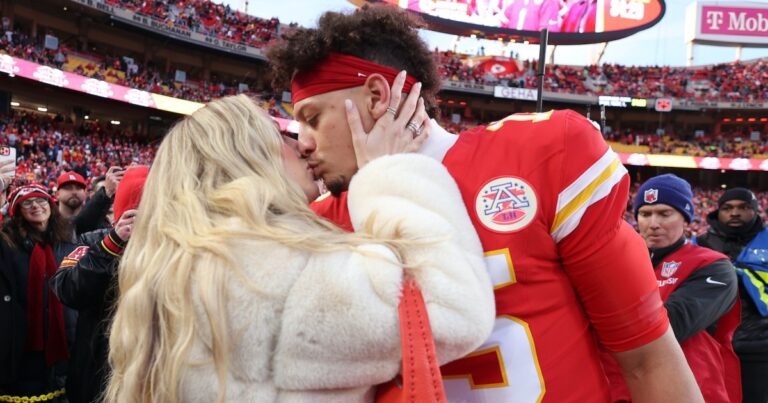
(122, 70)
(47, 146)
(728, 144)
(134, 74)
(705, 202)
(736, 82)
(207, 18)
(742, 82)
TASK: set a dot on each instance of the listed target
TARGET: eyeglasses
(36, 200)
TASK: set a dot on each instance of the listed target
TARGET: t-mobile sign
(735, 21)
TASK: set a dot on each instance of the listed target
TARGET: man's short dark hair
(96, 180)
(379, 33)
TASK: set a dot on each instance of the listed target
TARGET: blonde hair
(218, 175)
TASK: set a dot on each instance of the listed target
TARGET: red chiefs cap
(67, 177)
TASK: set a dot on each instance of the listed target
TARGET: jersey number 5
(509, 355)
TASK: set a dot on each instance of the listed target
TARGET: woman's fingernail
(348, 104)
(418, 84)
(402, 73)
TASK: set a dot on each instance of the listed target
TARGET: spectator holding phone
(7, 173)
(87, 281)
(94, 214)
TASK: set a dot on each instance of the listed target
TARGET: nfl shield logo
(669, 268)
(651, 195)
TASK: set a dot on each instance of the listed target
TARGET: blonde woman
(232, 289)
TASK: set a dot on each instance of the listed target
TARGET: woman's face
(298, 169)
(36, 211)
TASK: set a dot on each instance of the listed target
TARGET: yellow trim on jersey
(524, 324)
(322, 197)
(510, 266)
(585, 194)
(594, 184)
(470, 377)
(520, 117)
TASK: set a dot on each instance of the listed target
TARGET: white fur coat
(323, 327)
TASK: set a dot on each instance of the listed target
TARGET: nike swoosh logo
(710, 281)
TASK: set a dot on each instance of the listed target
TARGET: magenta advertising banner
(14, 67)
(734, 23)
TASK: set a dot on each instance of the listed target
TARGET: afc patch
(669, 268)
(651, 195)
(506, 204)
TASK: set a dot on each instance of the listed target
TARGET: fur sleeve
(340, 325)
(412, 197)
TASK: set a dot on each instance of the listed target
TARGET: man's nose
(654, 222)
(306, 143)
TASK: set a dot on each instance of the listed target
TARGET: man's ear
(377, 95)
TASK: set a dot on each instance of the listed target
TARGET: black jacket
(751, 338)
(93, 216)
(12, 318)
(23, 372)
(698, 303)
(89, 286)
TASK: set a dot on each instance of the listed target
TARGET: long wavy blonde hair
(218, 175)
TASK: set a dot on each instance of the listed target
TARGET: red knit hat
(129, 190)
(27, 192)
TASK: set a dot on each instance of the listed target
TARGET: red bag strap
(421, 374)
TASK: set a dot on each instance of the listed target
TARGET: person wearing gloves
(87, 281)
(232, 289)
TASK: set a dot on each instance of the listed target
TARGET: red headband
(338, 72)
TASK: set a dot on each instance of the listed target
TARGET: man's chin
(73, 203)
(336, 186)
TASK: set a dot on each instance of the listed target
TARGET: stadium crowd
(735, 82)
(705, 201)
(49, 146)
(733, 144)
(207, 18)
(125, 71)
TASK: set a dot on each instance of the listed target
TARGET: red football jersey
(547, 196)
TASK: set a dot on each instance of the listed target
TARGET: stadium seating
(736, 82)
(705, 201)
(208, 18)
(47, 146)
(724, 145)
(118, 70)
